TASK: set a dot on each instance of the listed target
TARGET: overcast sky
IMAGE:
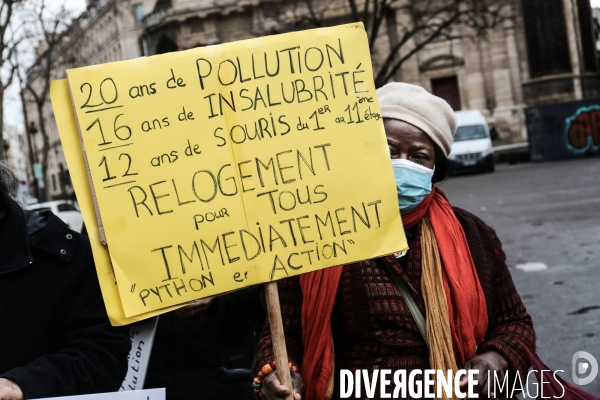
(13, 111)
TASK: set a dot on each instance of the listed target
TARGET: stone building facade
(16, 151)
(108, 31)
(545, 54)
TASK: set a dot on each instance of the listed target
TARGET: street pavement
(547, 213)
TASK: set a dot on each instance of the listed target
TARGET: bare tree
(49, 30)
(8, 43)
(429, 20)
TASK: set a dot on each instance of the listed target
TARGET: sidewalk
(511, 153)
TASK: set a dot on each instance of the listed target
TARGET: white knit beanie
(418, 107)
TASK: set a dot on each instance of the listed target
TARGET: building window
(447, 89)
(138, 12)
(546, 37)
(586, 29)
(165, 45)
(53, 182)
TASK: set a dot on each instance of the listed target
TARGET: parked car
(63, 209)
(472, 145)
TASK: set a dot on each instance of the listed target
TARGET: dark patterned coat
(372, 326)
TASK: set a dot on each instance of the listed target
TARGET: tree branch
(354, 10)
(385, 74)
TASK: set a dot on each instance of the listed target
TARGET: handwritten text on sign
(142, 338)
(221, 167)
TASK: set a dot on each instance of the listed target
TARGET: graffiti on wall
(582, 130)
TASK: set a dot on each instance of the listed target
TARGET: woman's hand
(10, 390)
(272, 388)
(488, 364)
(196, 307)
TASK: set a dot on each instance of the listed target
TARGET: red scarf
(466, 301)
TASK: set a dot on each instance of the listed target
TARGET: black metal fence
(564, 130)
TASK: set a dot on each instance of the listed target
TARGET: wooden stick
(278, 337)
(89, 175)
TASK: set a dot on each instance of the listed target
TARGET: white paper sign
(148, 394)
(142, 338)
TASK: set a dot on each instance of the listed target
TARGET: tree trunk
(2, 155)
(45, 151)
(32, 156)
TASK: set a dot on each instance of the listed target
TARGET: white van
(472, 145)
(63, 209)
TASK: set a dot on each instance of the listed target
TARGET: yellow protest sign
(221, 167)
(69, 136)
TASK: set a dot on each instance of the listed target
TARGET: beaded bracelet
(263, 373)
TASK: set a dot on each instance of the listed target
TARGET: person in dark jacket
(56, 339)
(195, 341)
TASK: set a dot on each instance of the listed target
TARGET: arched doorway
(165, 45)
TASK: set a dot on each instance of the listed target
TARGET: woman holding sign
(373, 312)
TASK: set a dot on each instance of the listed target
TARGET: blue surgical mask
(413, 182)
